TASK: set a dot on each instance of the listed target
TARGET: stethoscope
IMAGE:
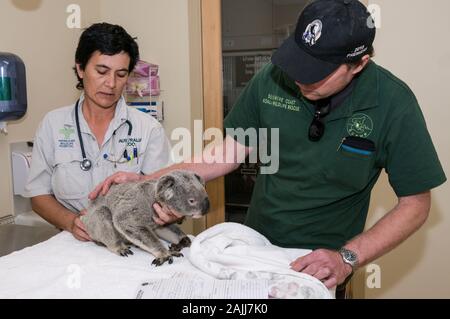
(86, 164)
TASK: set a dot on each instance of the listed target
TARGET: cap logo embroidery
(313, 32)
(358, 51)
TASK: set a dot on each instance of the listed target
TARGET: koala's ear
(201, 180)
(165, 183)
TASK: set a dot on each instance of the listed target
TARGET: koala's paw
(124, 252)
(161, 260)
(184, 242)
(176, 254)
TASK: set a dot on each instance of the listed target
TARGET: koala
(124, 215)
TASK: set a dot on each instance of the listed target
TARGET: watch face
(349, 256)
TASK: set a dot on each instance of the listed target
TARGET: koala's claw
(176, 254)
(125, 252)
(159, 261)
(184, 242)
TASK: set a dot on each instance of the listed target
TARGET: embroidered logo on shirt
(130, 141)
(67, 141)
(67, 132)
(360, 125)
(281, 102)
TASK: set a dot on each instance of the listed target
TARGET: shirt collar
(364, 94)
(120, 116)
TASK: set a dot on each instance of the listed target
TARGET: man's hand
(78, 229)
(116, 178)
(165, 216)
(325, 265)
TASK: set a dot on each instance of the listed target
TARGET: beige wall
(412, 43)
(162, 29)
(168, 33)
(36, 31)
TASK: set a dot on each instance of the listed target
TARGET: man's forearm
(52, 211)
(401, 222)
(217, 160)
(207, 171)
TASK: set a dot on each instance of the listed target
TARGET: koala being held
(124, 215)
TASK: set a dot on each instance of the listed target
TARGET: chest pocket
(131, 166)
(124, 156)
(68, 180)
(352, 164)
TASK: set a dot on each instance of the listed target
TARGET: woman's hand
(78, 229)
(166, 216)
(116, 178)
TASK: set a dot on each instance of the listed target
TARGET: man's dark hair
(108, 39)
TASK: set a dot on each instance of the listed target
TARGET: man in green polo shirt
(340, 120)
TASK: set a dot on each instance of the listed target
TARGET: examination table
(63, 267)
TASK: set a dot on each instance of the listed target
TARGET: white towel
(63, 267)
(234, 251)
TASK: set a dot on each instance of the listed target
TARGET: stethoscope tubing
(86, 164)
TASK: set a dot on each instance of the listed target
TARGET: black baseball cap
(328, 34)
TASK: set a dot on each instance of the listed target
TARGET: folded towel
(234, 251)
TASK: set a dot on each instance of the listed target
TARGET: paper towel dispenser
(21, 162)
(13, 90)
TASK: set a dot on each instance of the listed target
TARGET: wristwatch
(349, 257)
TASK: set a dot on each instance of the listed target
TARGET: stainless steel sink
(17, 237)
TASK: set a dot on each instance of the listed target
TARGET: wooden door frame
(213, 95)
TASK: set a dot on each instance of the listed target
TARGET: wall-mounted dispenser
(13, 89)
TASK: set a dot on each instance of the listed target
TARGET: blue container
(13, 87)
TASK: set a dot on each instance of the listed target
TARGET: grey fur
(124, 215)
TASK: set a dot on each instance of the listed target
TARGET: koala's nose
(205, 206)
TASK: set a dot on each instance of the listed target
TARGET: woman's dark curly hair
(108, 39)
